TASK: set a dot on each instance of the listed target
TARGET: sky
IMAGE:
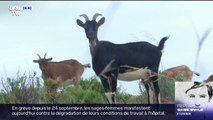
(50, 27)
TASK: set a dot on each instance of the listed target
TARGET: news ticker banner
(87, 111)
(178, 111)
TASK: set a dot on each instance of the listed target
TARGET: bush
(21, 90)
(27, 89)
(167, 87)
(91, 92)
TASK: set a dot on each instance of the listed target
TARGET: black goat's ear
(35, 61)
(80, 23)
(101, 21)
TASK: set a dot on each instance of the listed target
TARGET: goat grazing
(108, 59)
(64, 71)
(182, 70)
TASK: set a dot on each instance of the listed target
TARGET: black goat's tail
(162, 41)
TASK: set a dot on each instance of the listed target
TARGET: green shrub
(29, 90)
(167, 87)
(179, 77)
(21, 90)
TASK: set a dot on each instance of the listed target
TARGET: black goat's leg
(106, 85)
(147, 90)
(157, 92)
(114, 86)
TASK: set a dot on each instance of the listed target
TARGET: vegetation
(29, 90)
(167, 87)
(21, 90)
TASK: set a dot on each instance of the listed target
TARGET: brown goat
(182, 70)
(60, 72)
(210, 79)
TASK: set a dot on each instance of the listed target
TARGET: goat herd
(129, 61)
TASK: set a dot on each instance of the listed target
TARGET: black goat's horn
(96, 15)
(85, 16)
(45, 55)
(39, 56)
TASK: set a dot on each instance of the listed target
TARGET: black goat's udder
(135, 74)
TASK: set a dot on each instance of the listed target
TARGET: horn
(49, 59)
(45, 55)
(96, 15)
(85, 16)
(39, 56)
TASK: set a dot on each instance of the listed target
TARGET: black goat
(108, 59)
